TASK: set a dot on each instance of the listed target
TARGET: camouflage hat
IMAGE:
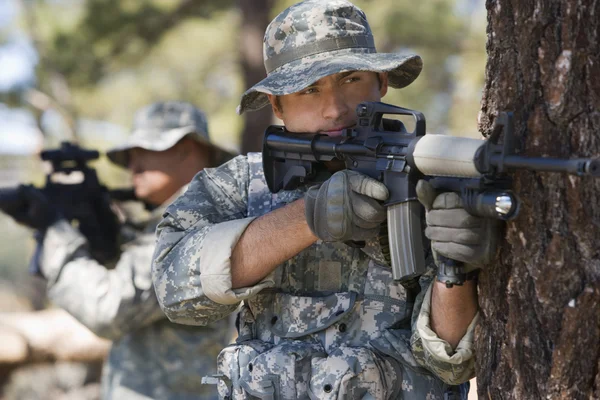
(160, 126)
(316, 38)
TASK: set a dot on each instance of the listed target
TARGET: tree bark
(255, 18)
(539, 335)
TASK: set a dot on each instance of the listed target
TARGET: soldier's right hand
(34, 210)
(346, 207)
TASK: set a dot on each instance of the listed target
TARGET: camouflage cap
(316, 38)
(159, 126)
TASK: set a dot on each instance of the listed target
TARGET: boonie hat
(316, 38)
(159, 126)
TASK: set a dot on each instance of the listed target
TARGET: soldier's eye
(309, 90)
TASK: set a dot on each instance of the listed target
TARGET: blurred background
(76, 70)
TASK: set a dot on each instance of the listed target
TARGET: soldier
(320, 319)
(151, 357)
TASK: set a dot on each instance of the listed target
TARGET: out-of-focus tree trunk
(50, 335)
(255, 18)
(37, 337)
(49, 79)
(539, 337)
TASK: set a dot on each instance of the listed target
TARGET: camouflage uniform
(151, 357)
(329, 323)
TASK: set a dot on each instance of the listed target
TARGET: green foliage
(434, 30)
(120, 55)
(112, 34)
(188, 64)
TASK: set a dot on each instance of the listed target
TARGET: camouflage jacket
(328, 323)
(151, 357)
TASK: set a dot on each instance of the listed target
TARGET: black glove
(101, 227)
(33, 209)
(346, 207)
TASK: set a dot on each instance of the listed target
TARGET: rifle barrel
(575, 166)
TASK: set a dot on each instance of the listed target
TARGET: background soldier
(321, 319)
(151, 358)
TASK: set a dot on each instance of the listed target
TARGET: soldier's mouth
(338, 131)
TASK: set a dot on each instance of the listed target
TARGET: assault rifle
(84, 202)
(383, 149)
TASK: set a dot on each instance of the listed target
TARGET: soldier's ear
(276, 105)
(383, 83)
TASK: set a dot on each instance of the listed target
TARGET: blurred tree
(118, 32)
(119, 55)
(113, 36)
(443, 37)
(539, 335)
(52, 90)
(255, 19)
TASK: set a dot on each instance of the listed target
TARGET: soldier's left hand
(34, 210)
(454, 233)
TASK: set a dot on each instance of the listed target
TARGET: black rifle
(85, 202)
(383, 149)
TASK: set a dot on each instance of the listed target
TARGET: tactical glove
(346, 207)
(454, 233)
(33, 209)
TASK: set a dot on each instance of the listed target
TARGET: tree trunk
(27, 337)
(49, 335)
(539, 336)
(255, 18)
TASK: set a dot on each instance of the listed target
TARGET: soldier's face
(329, 105)
(154, 173)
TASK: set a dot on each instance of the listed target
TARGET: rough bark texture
(540, 332)
(255, 18)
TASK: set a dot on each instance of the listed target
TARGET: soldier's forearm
(267, 242)
(452, 310)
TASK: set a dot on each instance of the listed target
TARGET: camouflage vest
(335, 326)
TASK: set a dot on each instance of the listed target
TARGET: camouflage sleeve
(110, 302)
(453, 366)
(192, 270)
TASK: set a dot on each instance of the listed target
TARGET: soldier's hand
(454, 233)
(346, 207)
(34, 209)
